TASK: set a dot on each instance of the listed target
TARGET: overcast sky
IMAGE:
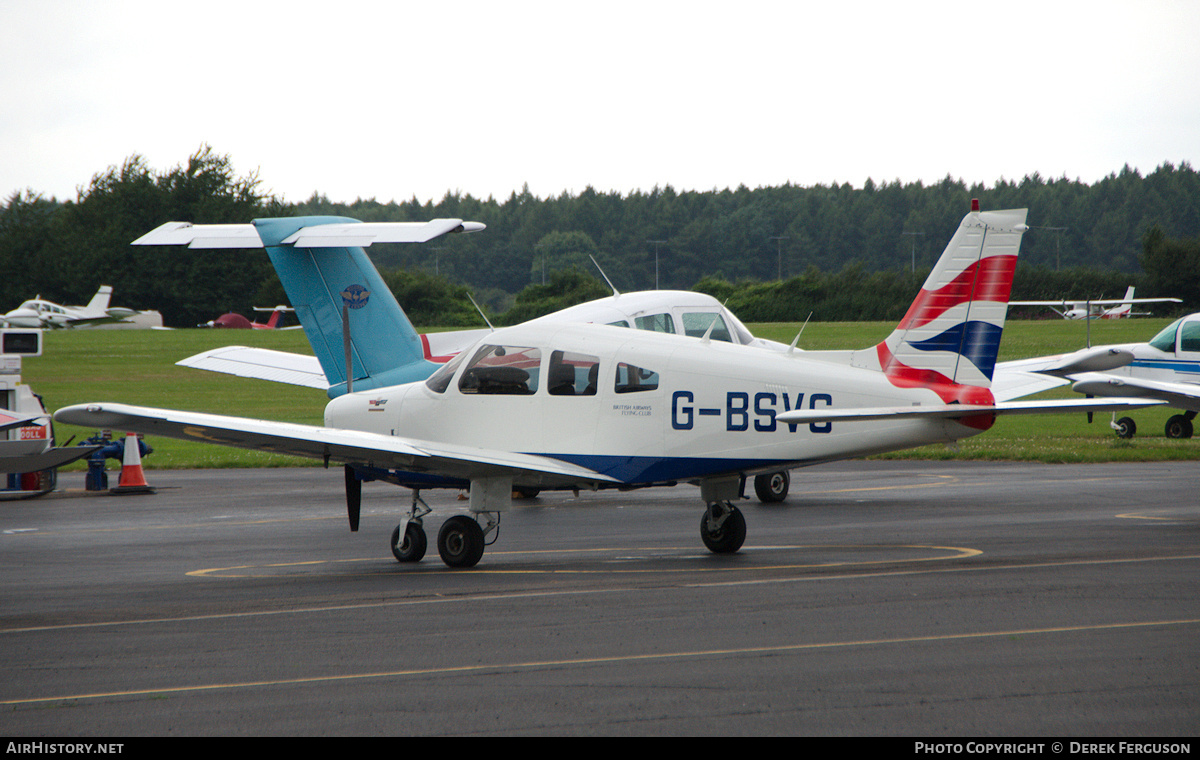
(391, 100)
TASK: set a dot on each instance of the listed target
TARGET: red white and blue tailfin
(950, 337)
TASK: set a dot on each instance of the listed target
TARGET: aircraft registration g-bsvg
(557, 405)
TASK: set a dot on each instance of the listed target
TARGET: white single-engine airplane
(567, 406)
(1167, 368)
(1121, 307)
(39, 313)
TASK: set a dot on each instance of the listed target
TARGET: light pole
(657, 243)
(913, 235)
(779, 253)
(1057, 244)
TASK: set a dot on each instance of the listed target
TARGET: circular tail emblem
(355, 296)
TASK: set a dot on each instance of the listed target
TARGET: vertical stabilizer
(950, 337)
(322, 283)
(98, 306)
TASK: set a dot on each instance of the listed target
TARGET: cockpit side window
(570, 374)
(696, 324)
(502, 370)
(1165, 340)
(631, 379)
(662, 323)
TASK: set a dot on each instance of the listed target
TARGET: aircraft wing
(9, 420)
(46, 460)
(953, 411)
(1009, 384)
(261, 364)
(1025, 377)
(1097, 359)
(329, 444)
(327, 235)
(1180, 395)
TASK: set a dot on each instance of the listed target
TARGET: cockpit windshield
(1165, 340)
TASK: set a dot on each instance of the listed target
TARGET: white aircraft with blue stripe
(1167, 369)
(557, 405)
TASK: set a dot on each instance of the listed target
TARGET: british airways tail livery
(557, 405)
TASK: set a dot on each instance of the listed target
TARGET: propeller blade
(353, 497)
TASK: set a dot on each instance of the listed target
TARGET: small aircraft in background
(1120, 307)
(1167, 369)
(557, 405)
(39, 313)
(234, 321)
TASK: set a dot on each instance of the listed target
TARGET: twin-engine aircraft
(559, 405)
(40, 313)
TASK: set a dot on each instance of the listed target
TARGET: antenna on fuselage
(485, 319)
(602, 274)
(796, 339)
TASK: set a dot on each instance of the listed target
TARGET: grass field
(138, 367)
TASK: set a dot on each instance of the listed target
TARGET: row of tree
(778, 253)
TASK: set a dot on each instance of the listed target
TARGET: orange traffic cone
(133, 480)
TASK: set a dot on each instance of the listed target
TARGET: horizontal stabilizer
(261, 364)
(359, 235)
(953, 411)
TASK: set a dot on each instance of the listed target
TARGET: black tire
(729, 537)
(1179, 426)
(525, 492)
(412, 549)
(460, 542)
(1126, 427)
(772, 488)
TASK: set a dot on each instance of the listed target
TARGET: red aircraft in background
(233, 321)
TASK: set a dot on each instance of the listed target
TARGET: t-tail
(950, 337)
(326, 283)
(350, 317)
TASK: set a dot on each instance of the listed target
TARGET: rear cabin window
(696, 324)
(502, 370)
(631, 379)
(662, 323)
(571, 374)
(1189, 337)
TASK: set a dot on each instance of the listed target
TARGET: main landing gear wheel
(460, 541)
(772, 487)
(723, 528)
(1179, 426)
(1125, 427)
(413, 547)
